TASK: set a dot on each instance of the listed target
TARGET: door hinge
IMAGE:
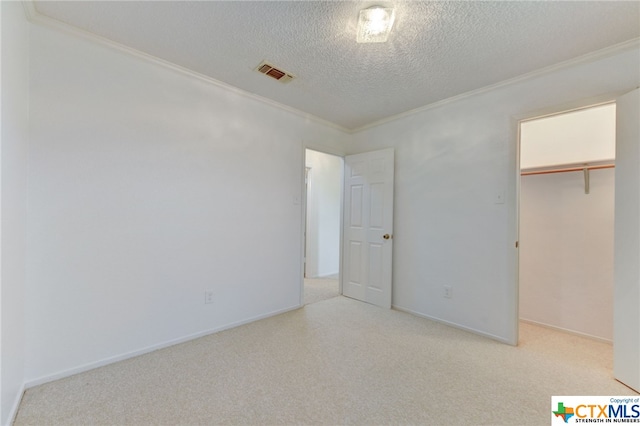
(517, 244)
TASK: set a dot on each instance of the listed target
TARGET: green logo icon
(565, 412)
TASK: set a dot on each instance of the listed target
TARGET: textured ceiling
(436, 49)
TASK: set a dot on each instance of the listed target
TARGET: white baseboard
(111, 360)
(453, 324)
(16, 406)
(566, 330)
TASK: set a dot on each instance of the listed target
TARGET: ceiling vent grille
(273, 72)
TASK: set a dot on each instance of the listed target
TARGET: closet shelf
(585, 168)
(544, 171)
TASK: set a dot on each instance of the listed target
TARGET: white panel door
(368, 227)
(626, 294)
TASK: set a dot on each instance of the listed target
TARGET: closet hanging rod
(568, 169)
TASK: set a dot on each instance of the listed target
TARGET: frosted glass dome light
(374, 24)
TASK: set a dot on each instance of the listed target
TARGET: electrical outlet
(208, 297)
(448, 292)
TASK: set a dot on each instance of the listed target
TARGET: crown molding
(29, 9)
(583, 59)
(36, 17)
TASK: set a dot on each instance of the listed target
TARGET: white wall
(453, 160)
(587, 135)
(323, 213)
(146, 188)
(14, 146)
(566, 251)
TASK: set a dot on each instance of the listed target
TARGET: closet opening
(322, 230)
(566, 221)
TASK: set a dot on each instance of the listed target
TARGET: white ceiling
(436, 49)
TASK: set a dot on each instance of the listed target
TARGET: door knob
(386, 236)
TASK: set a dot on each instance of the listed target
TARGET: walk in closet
(567, 221)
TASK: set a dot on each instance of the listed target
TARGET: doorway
(626, 288)
(566, 218)
(323, 201)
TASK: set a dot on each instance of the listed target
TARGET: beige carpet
(337, 361)
(317, 289)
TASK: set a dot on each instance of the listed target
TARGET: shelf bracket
(586, 179)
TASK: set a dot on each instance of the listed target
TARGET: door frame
(514, 222)
(323, 150)
(305, 218)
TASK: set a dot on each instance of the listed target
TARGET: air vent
(273, 72)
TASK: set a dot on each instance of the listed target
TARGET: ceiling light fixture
(374, 24)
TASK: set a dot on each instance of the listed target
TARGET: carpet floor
(317, 289)
(337, 361)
